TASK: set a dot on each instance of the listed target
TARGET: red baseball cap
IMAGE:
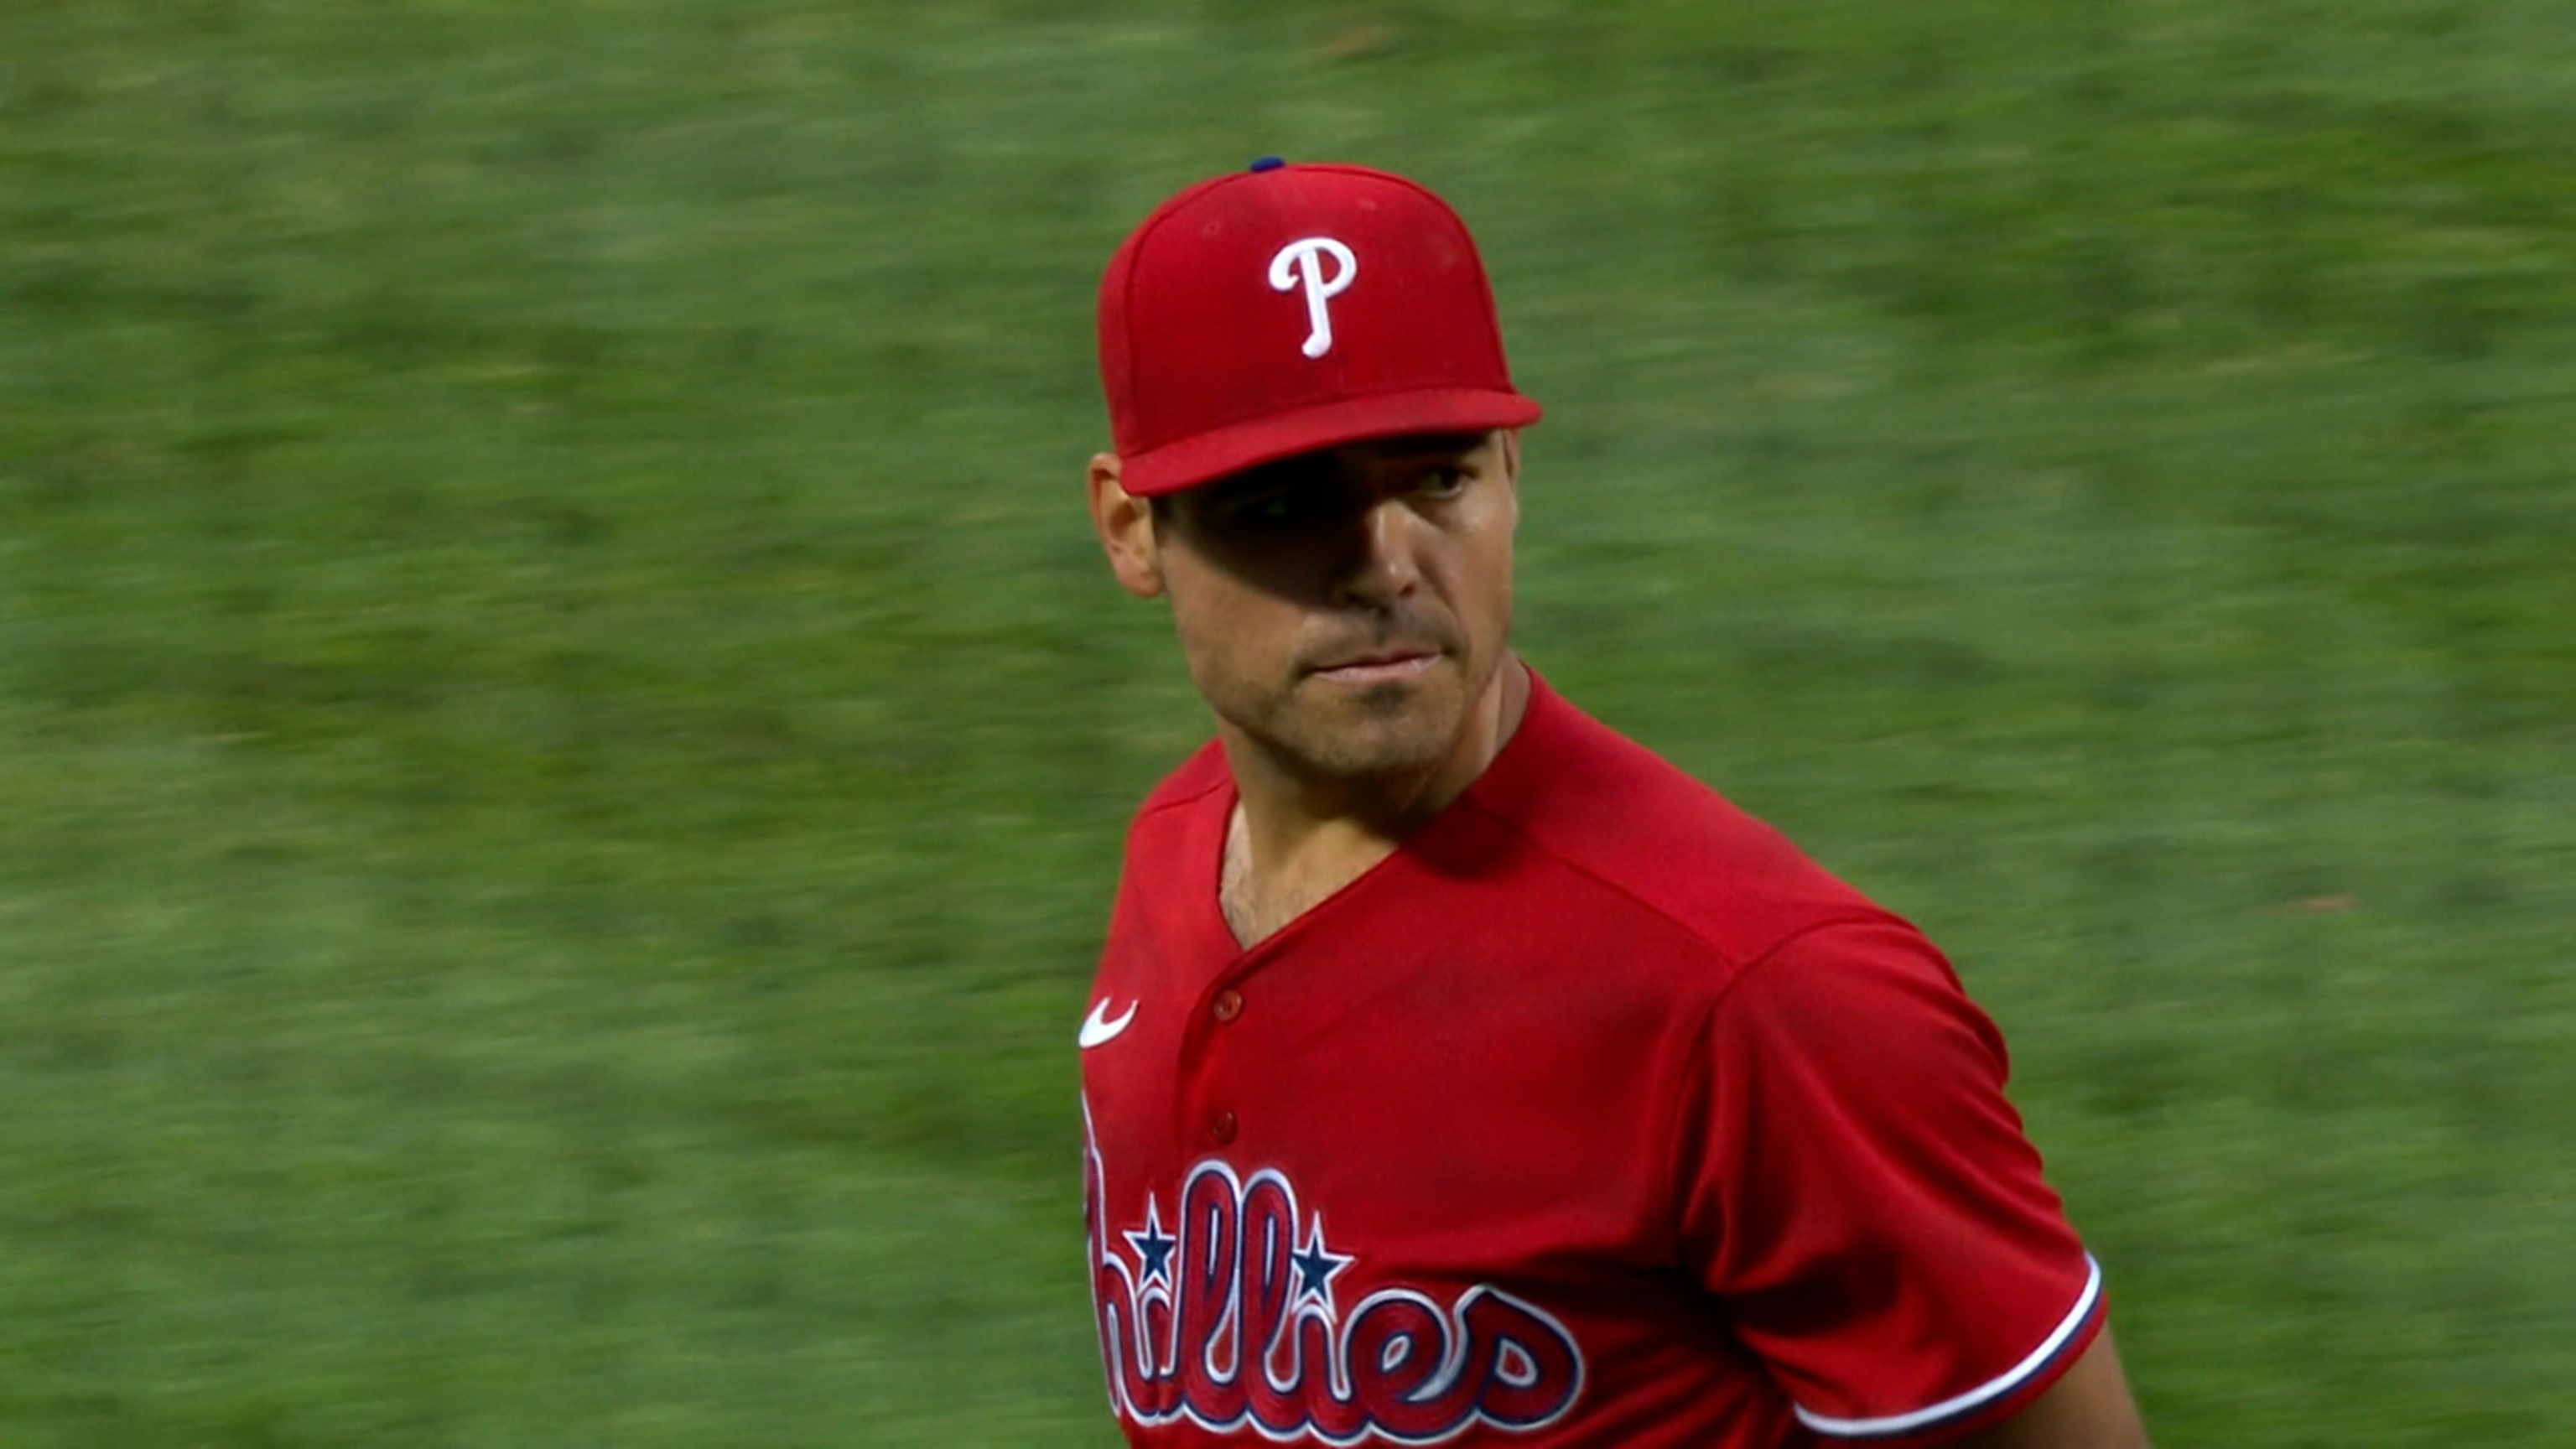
(1283, 309)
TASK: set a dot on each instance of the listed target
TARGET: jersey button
(1221, 1128)
(1227, 1006)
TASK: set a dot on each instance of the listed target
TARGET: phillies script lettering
(1301, 264)
(1230, 1319)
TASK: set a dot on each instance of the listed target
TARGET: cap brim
(1221, 451)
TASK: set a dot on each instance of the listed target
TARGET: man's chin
(1385, 736)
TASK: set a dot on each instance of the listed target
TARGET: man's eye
(1443, 482)
(1270, 510)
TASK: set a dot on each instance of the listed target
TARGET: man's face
(1347, 610)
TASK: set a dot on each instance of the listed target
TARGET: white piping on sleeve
(1984, 1393)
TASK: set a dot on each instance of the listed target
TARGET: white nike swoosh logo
(1098, 1028)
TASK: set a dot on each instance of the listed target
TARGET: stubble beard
(1390, 732)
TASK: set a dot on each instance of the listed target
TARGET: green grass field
(563, 742)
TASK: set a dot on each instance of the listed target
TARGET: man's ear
(1125, 524)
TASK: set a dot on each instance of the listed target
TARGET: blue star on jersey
(1317, 1266)
(1153, 1248)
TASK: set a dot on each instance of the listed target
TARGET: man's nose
(1380, 564)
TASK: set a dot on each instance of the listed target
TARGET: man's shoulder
(1192, 783)
(1613, 811)
(1175, 831)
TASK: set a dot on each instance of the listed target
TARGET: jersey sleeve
(1861, 1200)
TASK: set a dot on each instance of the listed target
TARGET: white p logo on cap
(1300, 264)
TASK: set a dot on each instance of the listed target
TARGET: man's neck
(1295, 840)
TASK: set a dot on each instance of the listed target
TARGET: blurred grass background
(563, 741)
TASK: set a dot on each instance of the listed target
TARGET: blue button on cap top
(1268, 163)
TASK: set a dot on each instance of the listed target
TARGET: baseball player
(1458, 1071)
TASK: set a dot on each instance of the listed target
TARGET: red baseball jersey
(1595, 1115)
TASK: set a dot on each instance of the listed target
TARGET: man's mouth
(1378, 666)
